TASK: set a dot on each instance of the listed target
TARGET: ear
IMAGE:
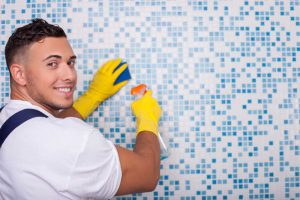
(18, 74)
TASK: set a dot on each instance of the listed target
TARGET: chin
(62, 106)
(68, 105)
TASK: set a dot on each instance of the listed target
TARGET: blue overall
(17, 119)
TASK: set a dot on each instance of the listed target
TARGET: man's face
(50, 73)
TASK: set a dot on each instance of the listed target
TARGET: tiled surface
(226, 73)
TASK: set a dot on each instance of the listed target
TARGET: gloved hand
(101, 87)
(147, 112)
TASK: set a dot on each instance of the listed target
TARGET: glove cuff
(146, 125)
(86, 104)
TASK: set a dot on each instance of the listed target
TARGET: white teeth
(64, 89)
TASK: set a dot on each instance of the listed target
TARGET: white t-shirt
(53, 158)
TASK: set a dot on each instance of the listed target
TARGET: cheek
(41, 79)
(29, 77)
(75, 76)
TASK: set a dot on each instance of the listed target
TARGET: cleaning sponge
(125, 75)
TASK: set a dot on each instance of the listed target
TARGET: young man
(64, 158)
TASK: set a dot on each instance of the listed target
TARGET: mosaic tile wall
(226, 74)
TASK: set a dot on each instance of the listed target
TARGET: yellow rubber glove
(101, 87)
(147, 112)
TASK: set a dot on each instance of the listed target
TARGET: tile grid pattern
(226, 74)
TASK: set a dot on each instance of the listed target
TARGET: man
(65, 158)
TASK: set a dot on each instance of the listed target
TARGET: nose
(68, 73)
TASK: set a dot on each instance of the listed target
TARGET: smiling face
(47, 74)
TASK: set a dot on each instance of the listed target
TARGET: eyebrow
(72, 57)
(52, 56)
(58, 56)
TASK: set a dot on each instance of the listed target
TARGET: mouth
(67, 90)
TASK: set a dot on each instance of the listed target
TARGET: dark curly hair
(24, 36)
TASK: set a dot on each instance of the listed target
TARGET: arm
(140, 168)
(102, 87)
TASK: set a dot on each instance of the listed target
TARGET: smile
(64, 89)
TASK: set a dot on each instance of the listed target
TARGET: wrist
(86, 104)
(146, 125)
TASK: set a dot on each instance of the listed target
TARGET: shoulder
(70, 123)
(68, 128)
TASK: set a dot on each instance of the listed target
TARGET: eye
(71, 62)
(52, 64)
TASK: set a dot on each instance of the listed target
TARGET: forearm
(147, 146)
(140, 168)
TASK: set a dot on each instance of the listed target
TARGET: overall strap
(17, 119)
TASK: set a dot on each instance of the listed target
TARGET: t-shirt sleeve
(97, 171)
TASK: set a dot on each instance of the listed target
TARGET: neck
(18, 93)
